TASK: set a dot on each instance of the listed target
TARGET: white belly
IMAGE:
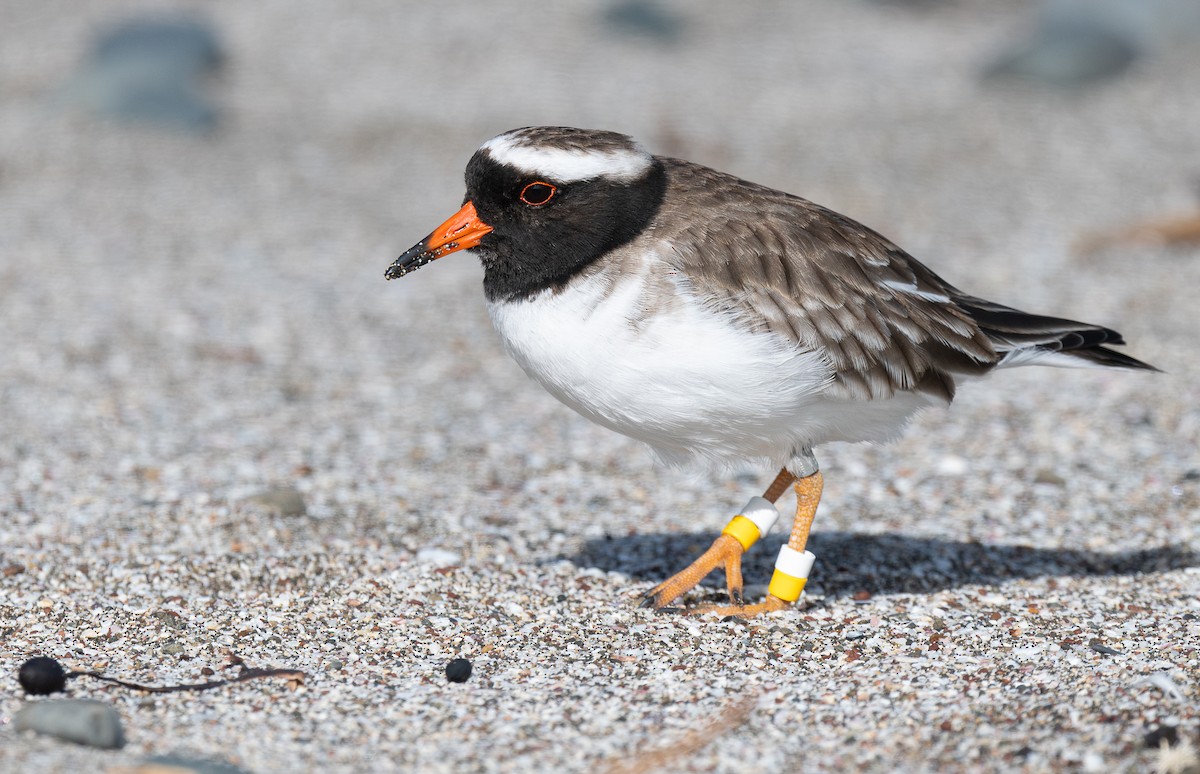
(687, 381)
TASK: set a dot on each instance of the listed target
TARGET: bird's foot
(739, 534)
(787, 583)
(726, 550)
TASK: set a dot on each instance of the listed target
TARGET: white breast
(683, 378)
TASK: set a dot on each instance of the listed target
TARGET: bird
(723, 322)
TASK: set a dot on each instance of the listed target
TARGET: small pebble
(1093, 762)
(458, 670)
(42, 676)
(952, 465)
(83, 721)
(285, 501)
(1048, 476)
(439, 557)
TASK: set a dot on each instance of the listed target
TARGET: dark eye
(537, 194)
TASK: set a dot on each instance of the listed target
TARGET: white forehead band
(568, 166)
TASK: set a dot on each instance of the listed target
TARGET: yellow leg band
(786, 587)
(743, 530)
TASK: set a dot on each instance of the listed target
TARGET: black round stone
(458, 670)
(41, 676)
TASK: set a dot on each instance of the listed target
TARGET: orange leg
(726, 550)
(791, 568)
(785, 588)
(808, 497)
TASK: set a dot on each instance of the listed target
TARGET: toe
(733, 578)
(725, 551)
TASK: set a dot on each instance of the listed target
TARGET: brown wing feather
(822, 280)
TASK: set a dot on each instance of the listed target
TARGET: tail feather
(1023, 338)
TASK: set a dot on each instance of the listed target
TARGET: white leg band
(794, 563)
(762, 512)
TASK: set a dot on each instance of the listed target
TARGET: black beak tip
(414, 258)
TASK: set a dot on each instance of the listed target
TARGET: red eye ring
(538, 193)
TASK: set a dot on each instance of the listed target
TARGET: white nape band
(568, 166)
(762, 512)
(794, 563)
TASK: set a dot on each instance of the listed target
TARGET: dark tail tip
(1110, 358)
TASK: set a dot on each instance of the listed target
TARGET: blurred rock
(1048, 476)
(151, 70)
(1073, 43)
(643, 18)
(178, 764)
(917, 5)
(187, 44)
(82, 721)
(1068, 52)
(285, 501)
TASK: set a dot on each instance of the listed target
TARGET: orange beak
(462, 231)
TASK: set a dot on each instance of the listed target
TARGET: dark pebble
(42, 676)
(1100, 647)
(1155, 738)
(458, 670)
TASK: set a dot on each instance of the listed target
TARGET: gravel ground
(189, 322)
